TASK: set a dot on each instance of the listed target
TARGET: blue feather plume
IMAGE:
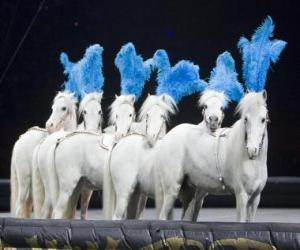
(86, 75)
(223, 78)
(133, 70)
(258, 55)
(178, 81)
(70, 85)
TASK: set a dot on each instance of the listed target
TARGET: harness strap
(36, 128)
(220, 177)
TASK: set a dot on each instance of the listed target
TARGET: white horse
(21, 161)
(134, 181)
(128, 176)
(90, 110)
(81, 157)
(232, 161)
(52, 124)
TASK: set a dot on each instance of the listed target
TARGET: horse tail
(14, 188)
(38, 190)
(109, 195)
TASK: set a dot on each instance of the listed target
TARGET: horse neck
(139, 127)
(203, 127)
(163, 130)
(236, 138)
(71, 121)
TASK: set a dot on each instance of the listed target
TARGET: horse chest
(253, 176)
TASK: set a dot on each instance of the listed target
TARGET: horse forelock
(168, 106)
(115, 106)
(208, 94)
(88, 98)
(252, 100)
(69, 97)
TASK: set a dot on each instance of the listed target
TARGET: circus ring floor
(284, 215)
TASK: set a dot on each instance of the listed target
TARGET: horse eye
(64, 108)
(263, 120)
(130, 115)
(246, 119)
(84, 112)
(204, 106)
(100, 112)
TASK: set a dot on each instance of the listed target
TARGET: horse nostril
(213, 119)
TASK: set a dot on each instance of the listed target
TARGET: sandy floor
(287, 215)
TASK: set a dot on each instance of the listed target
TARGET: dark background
(194, 30)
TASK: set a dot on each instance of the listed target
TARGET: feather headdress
(258, 55)
(223, 78)
(178, 81)
(86, 75)
(133, 70)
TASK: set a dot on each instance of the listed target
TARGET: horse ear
(264, 94)
(133, 99)
(100, 96)
(163, 97)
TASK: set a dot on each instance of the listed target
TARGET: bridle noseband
(261, 142)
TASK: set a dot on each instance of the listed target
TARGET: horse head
(122, 114)
(254, 115)
(155, 113)
(91, 111)
(213, 104)
(63, 114)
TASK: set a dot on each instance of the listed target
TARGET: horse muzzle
(252, 152)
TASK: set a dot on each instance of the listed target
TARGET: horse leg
(187, 194)
(72, 204)
(194, 206)
(61, 210)
(24, 189)
(170, 196)
(133, 205)
(28, 205)
(241, 205)
(85, 198)
(252, 206)
(14, 188)
(142, 205)
(123, 195)
(47, 208)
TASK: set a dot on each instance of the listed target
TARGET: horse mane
(250, 100)
(89, 97)
(207, 94)
(114, 107)
(167, 104)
